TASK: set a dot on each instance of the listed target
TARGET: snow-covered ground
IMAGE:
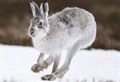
(86, 66)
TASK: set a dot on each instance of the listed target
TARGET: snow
(86, 66)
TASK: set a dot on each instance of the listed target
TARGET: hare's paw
(39, 67)
(36, 68)
(49, 77)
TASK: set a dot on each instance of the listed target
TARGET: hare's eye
(40, 23)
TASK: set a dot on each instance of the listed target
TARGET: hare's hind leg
(41, 64)
(60, 72)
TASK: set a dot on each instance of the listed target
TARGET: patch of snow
(95, 64)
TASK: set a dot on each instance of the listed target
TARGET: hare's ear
(34, 8)
(44, 9)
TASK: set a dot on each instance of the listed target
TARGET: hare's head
(39, 25)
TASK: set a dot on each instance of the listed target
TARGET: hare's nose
(31, 31)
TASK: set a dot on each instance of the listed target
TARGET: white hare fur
(72, 28)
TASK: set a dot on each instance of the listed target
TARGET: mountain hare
(72, 28)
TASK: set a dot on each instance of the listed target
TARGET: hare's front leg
(59, 73)
(41, 64)
(56, 63)
(55, 66)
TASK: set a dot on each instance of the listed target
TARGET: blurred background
(15, 16)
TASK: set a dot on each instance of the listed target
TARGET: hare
(72, 28)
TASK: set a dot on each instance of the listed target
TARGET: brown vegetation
(15, 16)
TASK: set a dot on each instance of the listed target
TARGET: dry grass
(15, 18)
(71, 80)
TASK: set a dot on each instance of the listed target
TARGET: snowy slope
(87, 65)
